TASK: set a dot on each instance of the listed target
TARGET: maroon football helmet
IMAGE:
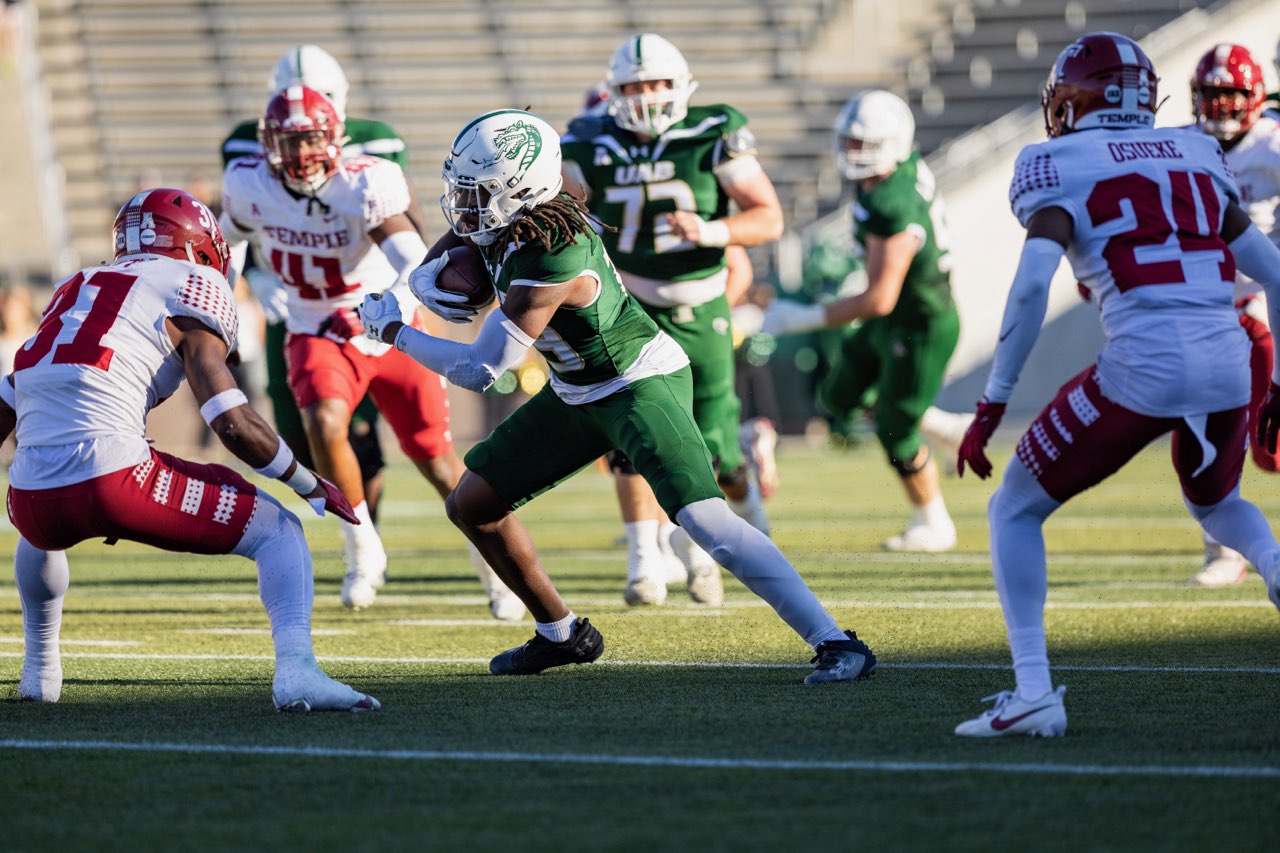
(172, 223)
(1227, 92)
(1100, 80)
(302, 136)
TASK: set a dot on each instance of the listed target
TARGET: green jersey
(907, 200)
(364, 136)
(598, 349)
(634, 184)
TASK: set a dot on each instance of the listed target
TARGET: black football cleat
(583, 646)
(842, 660)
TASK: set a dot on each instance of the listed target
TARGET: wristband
(714, 234)
(303, 481)
(222, 402)
(276, 467)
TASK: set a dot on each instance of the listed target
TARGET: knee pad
(368, 449)
(619, 463)
(730, 480)
(907, 467)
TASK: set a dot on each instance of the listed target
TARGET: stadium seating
(140, 87)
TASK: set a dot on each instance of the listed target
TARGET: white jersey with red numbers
(1147, 207)
(101, 359)
(319, 246)
(1255, 163)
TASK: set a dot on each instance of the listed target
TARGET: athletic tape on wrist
(276, 467)
(303, 481)
(714, 234)
(222, 402)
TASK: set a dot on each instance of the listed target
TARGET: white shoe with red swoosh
(1012, 715)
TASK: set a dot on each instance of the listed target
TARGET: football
(467, 274)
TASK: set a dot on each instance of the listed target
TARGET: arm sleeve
(1258, 258)
(499, 346)
(405, 250)
(1023, 315)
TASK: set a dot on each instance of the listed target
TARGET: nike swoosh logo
(1001, 724)
(1007, 332)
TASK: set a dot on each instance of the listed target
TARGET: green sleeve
(884, 216)
(532, 262)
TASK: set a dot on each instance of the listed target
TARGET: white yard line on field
(1222, 670)
(682, 762)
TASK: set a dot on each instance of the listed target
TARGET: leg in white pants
(43, 577)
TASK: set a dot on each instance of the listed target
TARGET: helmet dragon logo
(519, 140)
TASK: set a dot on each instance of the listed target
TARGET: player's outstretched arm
(501, 344)
(242, 430)
(1258, 258)
(1048, 235)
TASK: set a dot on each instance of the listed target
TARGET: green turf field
(693, 731)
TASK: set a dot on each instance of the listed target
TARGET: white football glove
(422, 281)
(784, 317)
(377, 311)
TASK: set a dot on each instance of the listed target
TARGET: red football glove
(976, 437)
(327, 497)
(342, 325)
(1269, 418)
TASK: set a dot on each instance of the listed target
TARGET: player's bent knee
(473, 504)
(269, 524)
(909, 464)
(330, 420)
(713, 526)
(619, 463)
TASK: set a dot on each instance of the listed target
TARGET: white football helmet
(501, 164)
(314, 68)
(873, 134)
(649, 56)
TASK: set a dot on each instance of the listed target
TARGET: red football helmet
(172, 223)
(1227, 92)
(302, 136)
(1100, 80)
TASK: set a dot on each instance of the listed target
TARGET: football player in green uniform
(909, 326)
(316, 68)
(617, 382)
(662, 175)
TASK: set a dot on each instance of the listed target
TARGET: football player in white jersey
(1227, 97)
(1151, 223)
(334, 228)
(117, 340)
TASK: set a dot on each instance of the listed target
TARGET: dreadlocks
(551, 222)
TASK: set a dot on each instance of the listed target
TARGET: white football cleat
(1045, 717)
(301, 686)
(1222, 566)
(507, 608)
(366, 562)
(759, 440)
(40, 683)
(645, 591)
(922, 538)
(706, 586)
(945, 431)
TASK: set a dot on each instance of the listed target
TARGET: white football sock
(1238, 524)
(751, 508)
(934, 514)
(557, 632)
(690, 553)
(43, 578)
(1016, 516)
(756, 561)
(274, 540)
(644, 556)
